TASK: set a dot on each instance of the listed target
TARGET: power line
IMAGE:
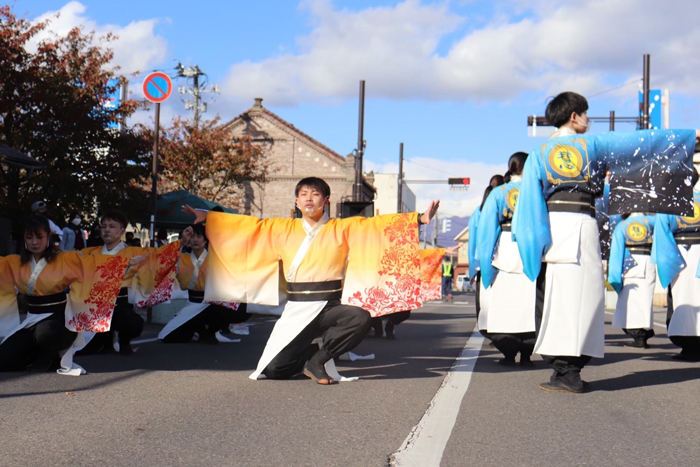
(616, 87)
(427, 167)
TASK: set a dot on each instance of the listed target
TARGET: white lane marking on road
(661, 325)
(145, 341)
(424, 446)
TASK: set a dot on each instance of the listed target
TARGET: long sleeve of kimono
(93, 290)
(473, 228)
(531, 228)
(650, 170)
(488, 232)
(618, 253)
(9, 313)
(153, 278)
(243, 260)
(383, 273)
(431, 274)
(664, 251)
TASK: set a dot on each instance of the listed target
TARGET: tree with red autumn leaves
(51, 107)
(206, 161)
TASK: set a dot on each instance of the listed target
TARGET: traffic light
(458, 181)
(446, 225)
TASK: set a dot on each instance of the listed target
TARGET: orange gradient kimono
(9, 314)
(150, 282)
(94, 283)
(186, 271)
(431, 274)
(376, 258)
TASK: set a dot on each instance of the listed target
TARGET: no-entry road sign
(157, 87)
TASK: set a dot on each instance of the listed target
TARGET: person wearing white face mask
(73, 236)
(556, 232)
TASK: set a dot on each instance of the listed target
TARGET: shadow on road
(647, 378)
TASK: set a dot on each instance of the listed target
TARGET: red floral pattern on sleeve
(102, 297)
(400, 264)
(166, 273)
(431, 277)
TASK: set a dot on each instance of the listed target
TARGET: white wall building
(386, 200)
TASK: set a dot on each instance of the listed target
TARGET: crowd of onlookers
(77, 235)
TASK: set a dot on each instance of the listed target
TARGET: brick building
(292, 155)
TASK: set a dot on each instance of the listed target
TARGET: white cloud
(452, 203)
(552, 46)
(130, 51)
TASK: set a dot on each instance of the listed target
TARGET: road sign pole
(157, 88)
(154, 176)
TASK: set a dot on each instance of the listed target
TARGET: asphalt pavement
(193, 404)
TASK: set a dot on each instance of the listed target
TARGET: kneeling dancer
(205, 319)
(44, 340)
(333, 267)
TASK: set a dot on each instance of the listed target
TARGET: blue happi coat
(498, 208)
(578, 163)
(473, 227)
(665, 252)
(637, 230)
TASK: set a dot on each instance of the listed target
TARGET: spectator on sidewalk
(73, 237)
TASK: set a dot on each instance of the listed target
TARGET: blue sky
(453, 80)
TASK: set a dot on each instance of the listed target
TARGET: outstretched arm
(453, 250)
(200, 216)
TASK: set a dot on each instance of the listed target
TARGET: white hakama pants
(573, 315)
(512, 299)
(685, 290)
(634, 308)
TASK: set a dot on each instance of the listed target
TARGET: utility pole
(399, 204)
(357, 188)
(198, 88)
(612, 120)
(645, 93)
(435, 230)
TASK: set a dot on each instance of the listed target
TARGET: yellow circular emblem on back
(566, 161)
(512, 198)
(696, 215)
(636, 231)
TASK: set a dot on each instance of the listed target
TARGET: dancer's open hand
(430, 212)
(200, 216)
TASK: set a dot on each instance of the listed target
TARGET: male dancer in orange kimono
(339, 273)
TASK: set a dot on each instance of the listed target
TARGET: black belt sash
(644, 249)
(314, 291)
(564, 201)
(506, 226)
(195, 296)
(46, 303)
(687, 238)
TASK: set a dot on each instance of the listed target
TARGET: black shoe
(125, 348)
(560, 385)
(317, 372)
